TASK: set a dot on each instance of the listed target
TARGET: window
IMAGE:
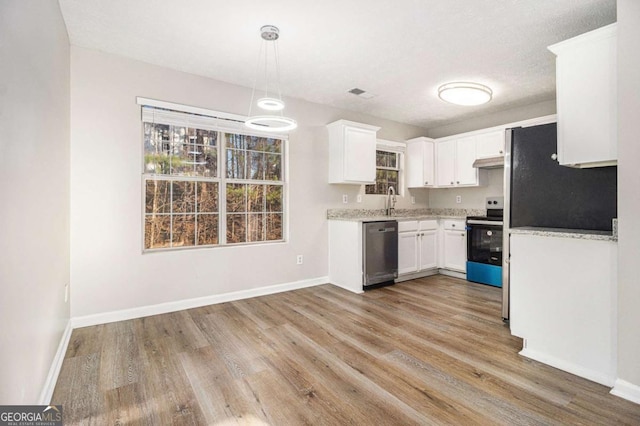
(387, 173)
(207, 185)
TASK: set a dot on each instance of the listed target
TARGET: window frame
(230, 124)
(399, 149)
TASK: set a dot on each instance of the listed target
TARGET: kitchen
(109, 83)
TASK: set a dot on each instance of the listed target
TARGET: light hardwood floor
(428, 351)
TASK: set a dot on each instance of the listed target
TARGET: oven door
(484, 242)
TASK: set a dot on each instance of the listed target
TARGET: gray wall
(108, 270)
(628, 192)
(484, 121)
(34, 183)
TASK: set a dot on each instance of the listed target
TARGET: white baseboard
(455, 274)
(416, 275)
(56, 365)
(163, 308)
(626, 390)
(594, 376)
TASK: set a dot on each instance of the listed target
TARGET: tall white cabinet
(587, 98)
(420, 162)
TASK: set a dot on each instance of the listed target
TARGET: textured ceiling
(399, 50)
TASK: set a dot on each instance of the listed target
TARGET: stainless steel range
(484, 244)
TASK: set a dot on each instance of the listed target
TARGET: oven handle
(485, 222)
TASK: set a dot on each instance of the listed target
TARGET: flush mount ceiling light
(465, 93)
(269, 123)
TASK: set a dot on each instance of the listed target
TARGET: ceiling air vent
(361, 93)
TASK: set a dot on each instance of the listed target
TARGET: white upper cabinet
(454, 163)
(586, 94)
(420, 162)
(445, 160)
(490, 145)
(352, 152)
(466, 174)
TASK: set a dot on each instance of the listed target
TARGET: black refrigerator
(541, 193)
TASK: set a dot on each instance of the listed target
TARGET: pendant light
(269, 122)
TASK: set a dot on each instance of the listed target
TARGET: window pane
(256, 143)
(370, 189)
(380, 159)
(183, 159)
(235, 164)
(255, 198)
(273, 198)
(255, 227)
(236, 197)
(184, 230)
(206, 161)
(273, 145)
(157, 231)
(236, 228)
(207, 200)
(256, 165)
(393, 159)
(157, 196)
(184, 197)
(273, 167)
(156, 148)
(236, 141)
(206, 137)
(207, 229)
(273, 227)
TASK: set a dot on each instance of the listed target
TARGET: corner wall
(34, 183)
(628, 199)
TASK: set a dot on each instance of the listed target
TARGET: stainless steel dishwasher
(380, 253)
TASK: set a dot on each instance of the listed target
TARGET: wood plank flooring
(427, 351)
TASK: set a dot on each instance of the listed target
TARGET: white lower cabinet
(454, 246)
(417, 246)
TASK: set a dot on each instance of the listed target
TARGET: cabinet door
(489, 145)
(455, 250)
(428, 249)
(428, 163)
(415, 165)
(587, 101)
(466, 174)
(407, 252)
(445, 157)
(359, 155)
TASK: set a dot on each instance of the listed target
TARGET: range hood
(489, 163)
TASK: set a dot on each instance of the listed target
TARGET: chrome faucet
(391, 201)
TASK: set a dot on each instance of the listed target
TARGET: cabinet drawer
(409, 225)
(457, 225)
(428, 224)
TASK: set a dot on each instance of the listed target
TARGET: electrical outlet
(359, 198)
(66, 293)
(299, 259)
(413, 199)
(458, 199)
(345, 198)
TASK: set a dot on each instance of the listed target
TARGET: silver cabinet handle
(451, 182)
(426, 182)
(462, 235)
(458, 182)
(500, 151)
(453, 225)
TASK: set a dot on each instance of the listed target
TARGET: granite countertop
(373, 215)
(583, 234)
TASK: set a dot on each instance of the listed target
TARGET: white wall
(34, 183)
(629, 193)
(472, 198)
(108, 270)
(511, 115)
